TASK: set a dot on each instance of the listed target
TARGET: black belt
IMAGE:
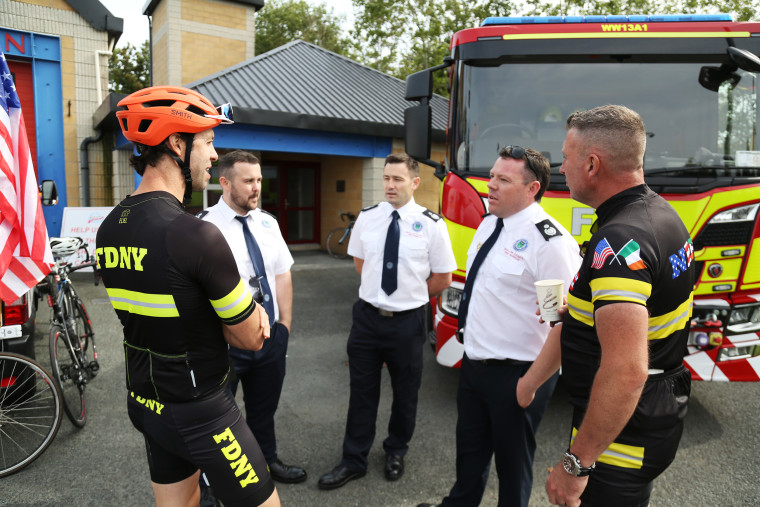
(500, 362)
(388, 313)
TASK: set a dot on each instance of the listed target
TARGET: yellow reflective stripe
(143, 303)
(623, 35)
(234, 303)
(619, 455)
(580, 310)
(620, 289)
(663, 326)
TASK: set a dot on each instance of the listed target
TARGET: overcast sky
(136, 25)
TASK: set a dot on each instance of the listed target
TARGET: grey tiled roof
(300, 85)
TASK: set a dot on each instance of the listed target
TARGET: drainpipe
(150, 50)
(85, 170)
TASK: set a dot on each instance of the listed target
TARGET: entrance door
(291, 193)
(24, 81)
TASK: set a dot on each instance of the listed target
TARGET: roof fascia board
(98, 16)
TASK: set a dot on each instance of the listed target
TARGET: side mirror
(49, 193)
(417, 131)
(419, 85)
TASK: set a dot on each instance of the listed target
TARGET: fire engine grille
(738, 233)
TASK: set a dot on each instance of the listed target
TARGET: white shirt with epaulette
(424, 248)
(501, 319)
(266, 230)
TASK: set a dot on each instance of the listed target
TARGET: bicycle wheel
(70, 376)
(335, 247)
(30, 412)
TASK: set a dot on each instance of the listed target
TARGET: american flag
(25, 257)
(601, 252)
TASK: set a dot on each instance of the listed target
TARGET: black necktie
(468, 284)
(258, 266)
(389, 282)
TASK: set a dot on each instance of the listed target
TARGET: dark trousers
(491, 422)
(262, 374)
(396, 341)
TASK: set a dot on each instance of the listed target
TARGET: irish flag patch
(632, 255)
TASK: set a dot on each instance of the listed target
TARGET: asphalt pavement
(104, 464)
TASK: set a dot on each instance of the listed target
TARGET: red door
(290, 191)
(22, 77)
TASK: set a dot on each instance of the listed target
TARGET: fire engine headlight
(744, 319)
(740, 352)
(450, 299)
(740, 214)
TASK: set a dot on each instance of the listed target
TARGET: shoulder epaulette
(433, 216)
(484, 215)
(547, 229)
(370, 207)
(268, 213)
(202, 213)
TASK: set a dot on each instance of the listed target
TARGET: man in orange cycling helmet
(175, 287)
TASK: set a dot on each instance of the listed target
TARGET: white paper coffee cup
(550, 294)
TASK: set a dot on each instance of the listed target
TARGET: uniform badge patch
(417, 226)
(520, 245)
(547, 229)
(266, 223)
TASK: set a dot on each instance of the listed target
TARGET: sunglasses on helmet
(225, 113)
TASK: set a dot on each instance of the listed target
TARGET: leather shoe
(394, 467)
(281, 472)
(338, 477)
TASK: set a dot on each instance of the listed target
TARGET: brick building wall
(82, 48)
(193, 39)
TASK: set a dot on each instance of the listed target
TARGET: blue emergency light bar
(659, 18)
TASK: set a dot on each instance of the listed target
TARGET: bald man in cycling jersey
(175, 287)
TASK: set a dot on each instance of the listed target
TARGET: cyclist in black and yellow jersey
(627, 321)
(176, 290)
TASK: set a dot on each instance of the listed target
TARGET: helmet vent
(159, 103)
(124, 125)
(144, 125)
(195, 109)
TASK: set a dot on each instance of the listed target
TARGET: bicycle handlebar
(351, 217)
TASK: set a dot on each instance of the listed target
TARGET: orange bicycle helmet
(153, 114)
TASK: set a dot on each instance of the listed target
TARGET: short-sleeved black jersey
(640, 253)
(173, 281)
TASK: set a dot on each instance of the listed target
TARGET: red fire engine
(693, 79)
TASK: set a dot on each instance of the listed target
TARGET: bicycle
(71, 334)
(337, 239)
(30, 411)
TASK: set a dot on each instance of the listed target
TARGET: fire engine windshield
(688, 125)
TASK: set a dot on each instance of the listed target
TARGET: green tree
(129, 68)
(399, 37)
(282, 21)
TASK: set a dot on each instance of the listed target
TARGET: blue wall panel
(287, 140)
(44, 52)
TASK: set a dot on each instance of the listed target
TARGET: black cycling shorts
(655, 430)
(209, 434)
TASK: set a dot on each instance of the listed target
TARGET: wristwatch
(573, 465)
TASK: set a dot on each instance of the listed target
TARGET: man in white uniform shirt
(403, 253)
(502, 334)
(261, 373)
